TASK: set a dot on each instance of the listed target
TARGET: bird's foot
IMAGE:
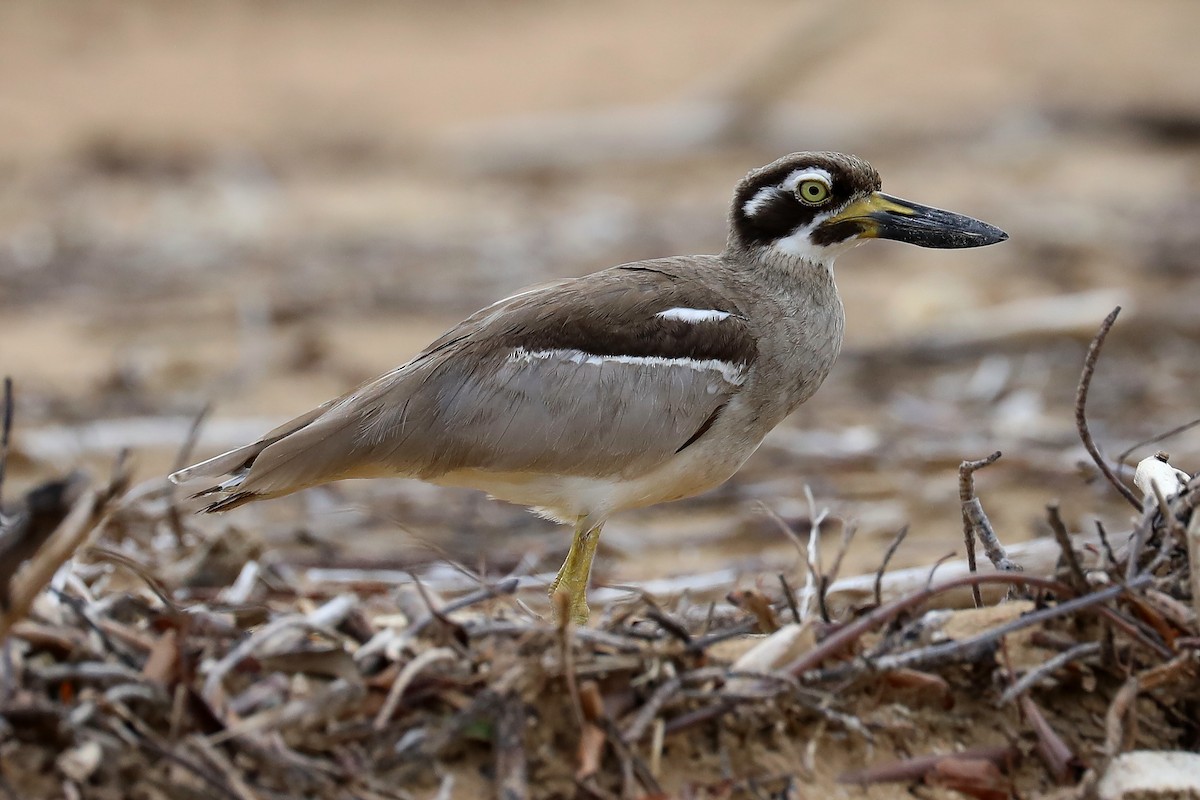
(568, 592)
(569, 600)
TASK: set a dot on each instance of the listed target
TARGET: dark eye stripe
(780, 213)
(773, 218)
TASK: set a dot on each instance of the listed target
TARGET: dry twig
(1026, 682)
(1160, 437)
(1081, 423)
(1054, 752)
(848, 531)
(1078, 579)
(82, 520)
(974, 520)
(841, 640)
(182, 457)
(892, 547)
(914, 769)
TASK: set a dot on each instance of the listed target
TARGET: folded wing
(608, 374)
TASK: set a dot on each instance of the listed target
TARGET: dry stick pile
(122, 675)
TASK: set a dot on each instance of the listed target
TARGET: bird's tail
(234, 466)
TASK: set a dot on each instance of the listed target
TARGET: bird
(639, 384)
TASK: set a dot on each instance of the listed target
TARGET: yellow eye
(812, 192)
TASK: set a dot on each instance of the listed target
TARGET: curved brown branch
(1081, 394)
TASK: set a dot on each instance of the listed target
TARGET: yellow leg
(572, 578)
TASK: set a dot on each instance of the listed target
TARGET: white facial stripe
(761, 198)
(792, 181)
(732, 373)
(693, 314)
(768, 193)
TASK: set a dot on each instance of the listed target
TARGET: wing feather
(580, 377)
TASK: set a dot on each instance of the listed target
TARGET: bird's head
(813, 206)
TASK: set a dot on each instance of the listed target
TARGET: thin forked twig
(848, 531)
(790, 596)
(1178, 429)
(966, 494)
(1141, 533)
(812, 554)
(933, 570)
(887, 557)
(1078, 579)
(650, 710)
(841, 639)
(174, 519)
(962, 649)
(1081, 423)
(1026, 681)
(1109, 556)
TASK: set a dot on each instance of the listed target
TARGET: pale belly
(569, 497)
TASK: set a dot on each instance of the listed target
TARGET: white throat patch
(799, 244)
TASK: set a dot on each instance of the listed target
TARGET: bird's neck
(806, 318)
(802, 277)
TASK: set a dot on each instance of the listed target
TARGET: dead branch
(1110, 558)
(1038, 557)
(1078, 579)
(1159, 437)
(41, 511)
(892, 547)
(406, 676)
(789, 595)
(214, 756)
(848, 531)
(182, 457)
(650, 710)
(1051, 748)
(84, 517)
(974, 519)
(841, 640)
(969, 648)
(1117, 737)
(914, 769)
(1141, 533)
(1081, 423)
(1026, 682)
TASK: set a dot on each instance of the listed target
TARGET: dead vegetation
(276, 236)
(144, 659)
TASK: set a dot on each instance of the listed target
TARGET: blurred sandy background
(259, 205)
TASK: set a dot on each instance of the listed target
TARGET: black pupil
(813, 190)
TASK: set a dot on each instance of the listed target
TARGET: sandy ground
(258, 205)
(261, 206)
